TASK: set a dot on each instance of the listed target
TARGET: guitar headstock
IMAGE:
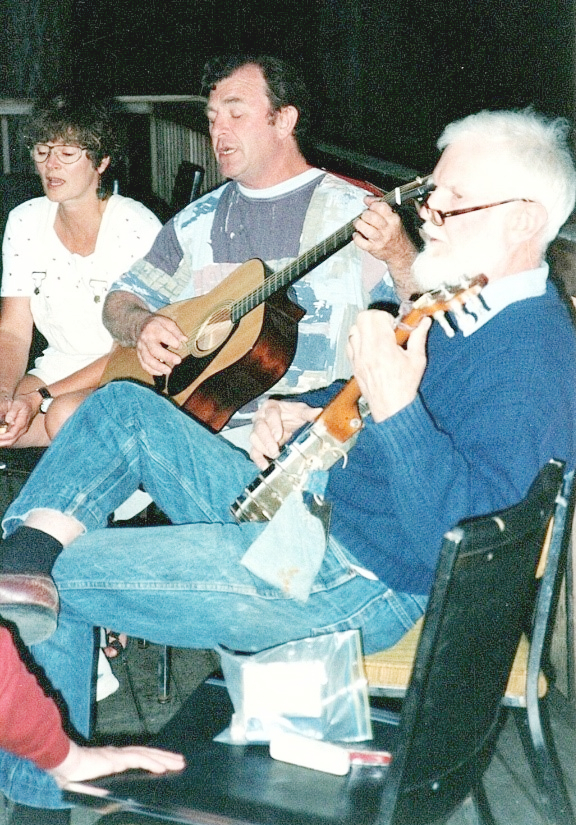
(416, 189)
(459, 299)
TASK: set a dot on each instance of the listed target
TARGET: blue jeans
(181, 585)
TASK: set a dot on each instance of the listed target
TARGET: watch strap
(47, 399)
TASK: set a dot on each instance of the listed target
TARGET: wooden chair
(389, 671)
(483, 593)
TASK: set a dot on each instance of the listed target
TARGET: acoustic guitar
(333, 434)
(242, 335)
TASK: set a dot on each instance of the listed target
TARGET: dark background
(387, 75)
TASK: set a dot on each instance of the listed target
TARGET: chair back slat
(549, 589)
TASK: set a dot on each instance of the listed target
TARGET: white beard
(431, 270)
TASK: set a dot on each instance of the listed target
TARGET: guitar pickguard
(191, 368)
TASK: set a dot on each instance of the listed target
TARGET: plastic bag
(315, 687)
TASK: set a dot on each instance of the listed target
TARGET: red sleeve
(30, 724)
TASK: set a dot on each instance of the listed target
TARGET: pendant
(38, 277)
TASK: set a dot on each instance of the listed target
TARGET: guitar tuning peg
(442, 320)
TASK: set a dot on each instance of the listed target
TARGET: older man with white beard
(457, 426)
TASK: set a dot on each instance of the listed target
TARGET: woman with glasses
(61, 253)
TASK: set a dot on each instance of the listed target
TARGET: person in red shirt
(31, 727)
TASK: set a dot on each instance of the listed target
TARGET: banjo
(333, 434)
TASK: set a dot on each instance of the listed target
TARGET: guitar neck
(314, 256)
(341, 417)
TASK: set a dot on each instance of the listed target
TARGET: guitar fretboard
(312, 257)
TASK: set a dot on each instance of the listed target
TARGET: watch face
(45, 404)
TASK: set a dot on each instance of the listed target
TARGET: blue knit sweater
(492, 409)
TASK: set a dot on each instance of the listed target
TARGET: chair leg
(164, 674)
(570, 616)
(475, 808)
(536, 736)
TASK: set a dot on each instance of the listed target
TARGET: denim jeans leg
(125, 435)
(182, 585)
(67, 662)
(178, 586)
(186, 586)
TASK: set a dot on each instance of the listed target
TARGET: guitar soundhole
(213, 332)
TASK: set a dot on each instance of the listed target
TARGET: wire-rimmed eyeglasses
(437, 217)
(65, 153)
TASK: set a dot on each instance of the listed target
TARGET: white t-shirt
(67, 290)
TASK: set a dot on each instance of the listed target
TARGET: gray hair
(539, 155)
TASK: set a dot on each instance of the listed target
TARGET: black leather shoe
(30, 601)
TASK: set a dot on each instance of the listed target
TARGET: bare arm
(19, 418)
(131, 323)
(86, 378)
(26, 403)
(379, 231)
(124, 315)
(31, 727)
(16, 327)
(89, 763)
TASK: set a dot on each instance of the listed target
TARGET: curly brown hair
(89, 123)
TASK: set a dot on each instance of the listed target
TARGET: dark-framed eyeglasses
(65, 153)
(437, 217)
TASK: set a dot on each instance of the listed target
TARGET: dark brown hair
(285, 85)
(90, 123)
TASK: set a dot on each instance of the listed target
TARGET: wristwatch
(47, 399)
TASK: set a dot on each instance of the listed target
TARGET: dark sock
(23, 815)
(29, 550)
